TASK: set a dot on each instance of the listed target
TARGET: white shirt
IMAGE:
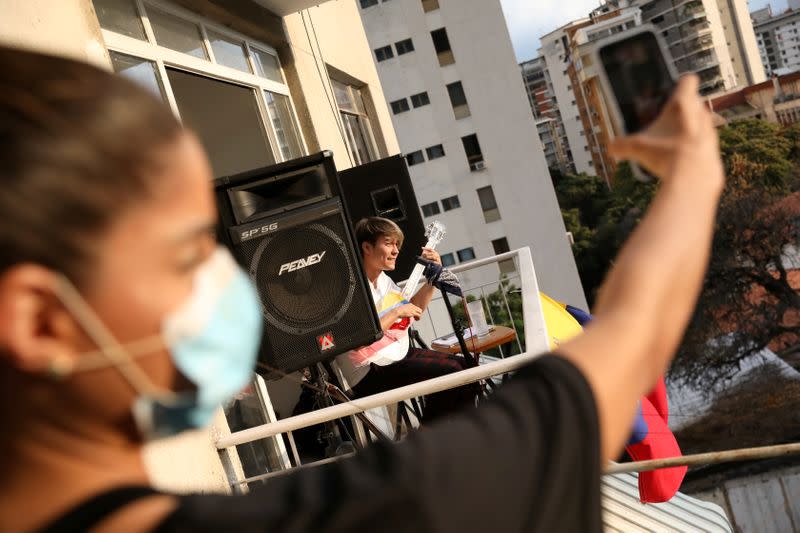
(353, 369)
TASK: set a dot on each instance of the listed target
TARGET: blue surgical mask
(213, 338)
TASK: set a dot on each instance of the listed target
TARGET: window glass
(467, 254)
(177, 34)
(235, 140)
(367, 3)
(384, 53)
(448, 260)
(451, 203)
(415, 158)
(435, 152)
(284, 124)
(403, 47)
(120, 16)
(139, 70)
(428, 210)
(400, 106)
(420, 99)
(267, 65)
(229, 52)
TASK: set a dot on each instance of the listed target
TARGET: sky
(530, 19)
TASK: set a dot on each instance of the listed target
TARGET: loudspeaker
(383, 188)
(300, 252)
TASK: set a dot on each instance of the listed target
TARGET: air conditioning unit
(478, 165)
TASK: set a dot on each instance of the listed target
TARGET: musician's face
(383, 254)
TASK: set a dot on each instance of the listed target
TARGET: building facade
(778, 40)
(555, 53)
(549, 122)
(252, 82)
(776, 100)
(463, 121)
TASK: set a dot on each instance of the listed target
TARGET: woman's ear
(37, 334)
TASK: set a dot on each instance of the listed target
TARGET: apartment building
(555, 54)
(463, 121)
(778, 40)
(549, 122)
(776, 100)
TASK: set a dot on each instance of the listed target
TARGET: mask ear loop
(108, 345)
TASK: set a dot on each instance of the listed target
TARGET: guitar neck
(416, 274)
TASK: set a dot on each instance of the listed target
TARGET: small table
(498, 336)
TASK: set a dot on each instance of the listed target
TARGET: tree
(749, 300)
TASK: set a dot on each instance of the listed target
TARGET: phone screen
(639, 77)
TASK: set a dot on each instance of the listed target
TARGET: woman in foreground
(121, 320)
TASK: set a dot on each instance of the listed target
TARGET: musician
(380, 241)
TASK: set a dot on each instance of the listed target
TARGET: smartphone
(637, 77)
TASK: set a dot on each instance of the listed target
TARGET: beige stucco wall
(61, 27)
(340, 42)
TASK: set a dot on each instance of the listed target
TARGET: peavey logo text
(266, 228)
(302, 263)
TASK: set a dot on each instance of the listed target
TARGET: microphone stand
(433, 273)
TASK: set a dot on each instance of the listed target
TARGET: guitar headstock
(435, 232)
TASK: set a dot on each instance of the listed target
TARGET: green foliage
(755, 223)
(497, 313)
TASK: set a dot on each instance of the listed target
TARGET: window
(399, 106)
(383, 53)
(442, 45)
(467, 254)
(267, 65)
(177, 34)
(428, 210)
(368, 3)
(229, 52)
(458, 100)
(488, 204)
(448, 260)
(415, 158)
(287, 132)
(448, 204)
(143, 72)
(420, 99)
(435, 152)
(404, 47)
(430, 5)
(120, 16)
(500, 247)
(473, 150)
(357, 126)
(258, 127)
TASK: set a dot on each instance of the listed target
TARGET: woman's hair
(372, 228)
(77, 146)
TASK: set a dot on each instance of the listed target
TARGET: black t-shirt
(526, 460)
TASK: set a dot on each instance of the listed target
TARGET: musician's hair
(78, 146)
(371, 229)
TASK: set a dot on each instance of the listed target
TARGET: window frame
(412, 156)
(406, 43)
(418, 96)
(163, 58)
(469, 249)
(447, 206)
(432, 209)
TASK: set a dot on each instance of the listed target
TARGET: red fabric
(657, 486)
(658, 397)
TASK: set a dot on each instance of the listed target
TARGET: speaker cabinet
(383, 188)
(315, 298)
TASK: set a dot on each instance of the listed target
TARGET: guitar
(393, 346)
